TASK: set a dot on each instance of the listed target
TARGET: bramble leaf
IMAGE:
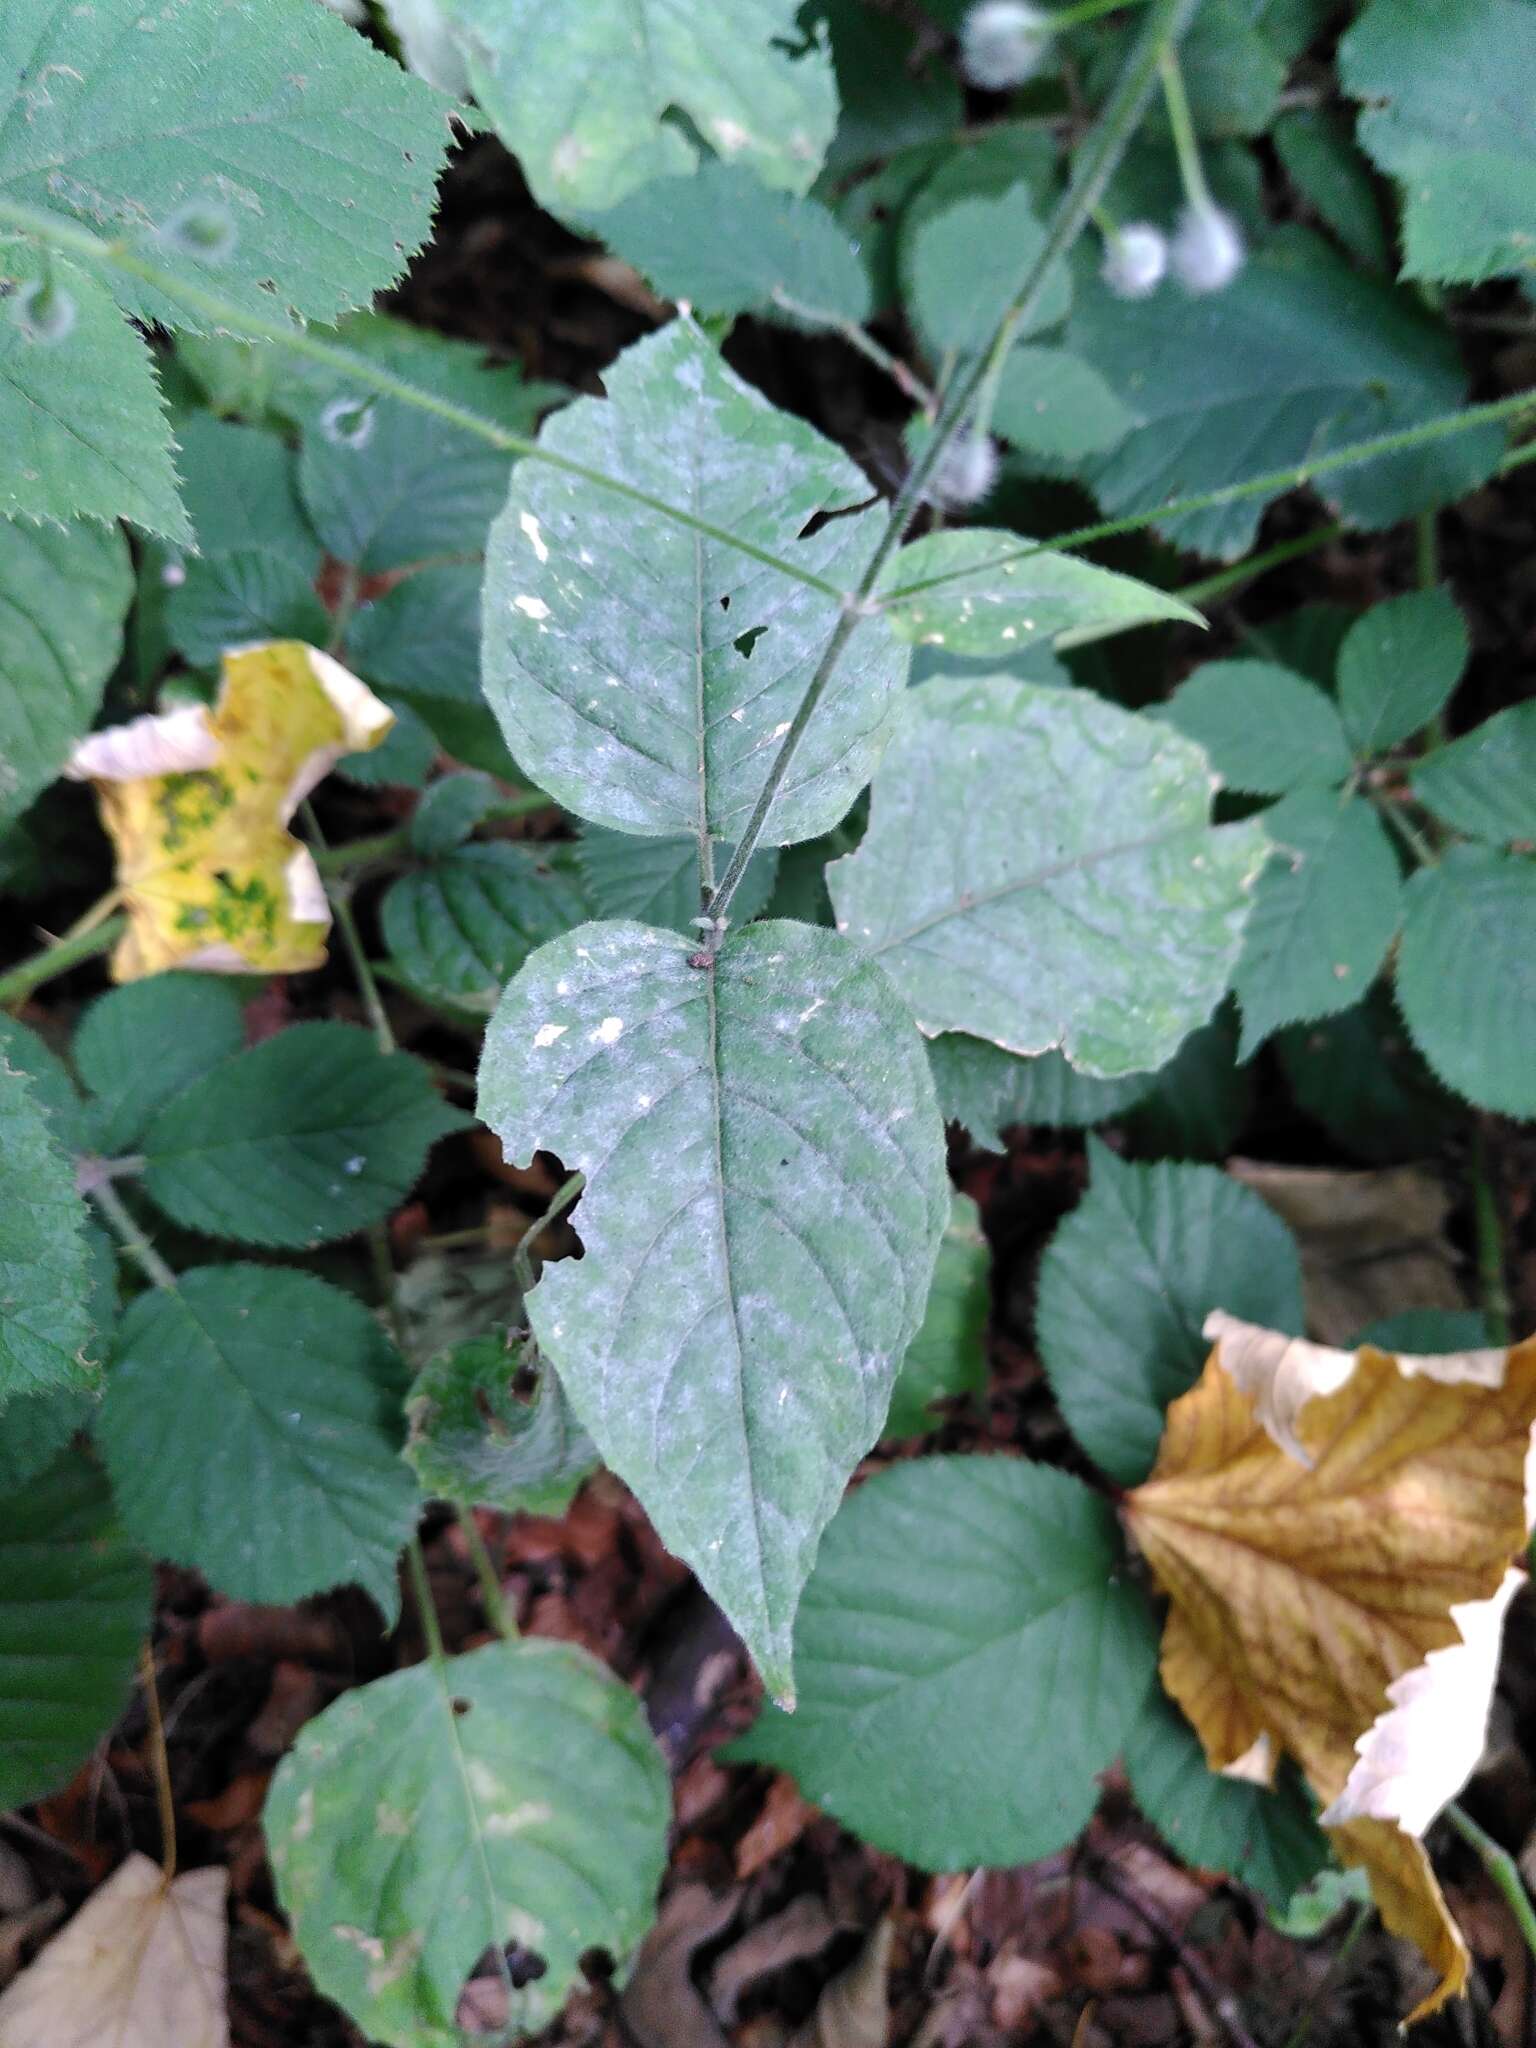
(732, 1333)
(45, 1270)
(477, 1439)
(1264, 730)
(1074, 896)
(252, 1428)
(643, 672)
(1485, 783)
(943, 1587)
(1398, 664)
(510, 1800)
(989, 1090)
(1466, 974)
(137, 1046)
(656, 881)
(461, 926)
(948, 1357)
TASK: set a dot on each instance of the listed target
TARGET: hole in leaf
(828, 513)
(596, 1965)
(524, 1965)
(745, 642)
(725, 601)
(462, 1707)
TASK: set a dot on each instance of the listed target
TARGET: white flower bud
(1135, 259)
(1207, 248)
(1002, 43)
(966, 472)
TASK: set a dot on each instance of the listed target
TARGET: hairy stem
(120, 1221)
(496, 1612)
(1502, 1868)
(560, 1201)
(1186, 143)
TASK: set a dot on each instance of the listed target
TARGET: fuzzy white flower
(1002, 43)
(1135, 260)
(966, 472)
(1207, 250)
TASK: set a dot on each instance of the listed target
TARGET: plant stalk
(491, 1595)
(1502, 1868)
(124, 1228)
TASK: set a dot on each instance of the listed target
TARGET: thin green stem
(1096, 161)
(1502, 1868)
(1427, 549)
(124, 1227)
(227, 316)
(19, 981)
(1211, 588)
(1087, 10)
(907, 381)
(339, 896)
(560, 1201)
(496, 1611)
(1398, 819)
(421, 1591)
(1493, 1288)
(1186, 143)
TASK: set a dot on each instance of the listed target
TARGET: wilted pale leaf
(198, 803)
(141, 1965)
(1335, 1532)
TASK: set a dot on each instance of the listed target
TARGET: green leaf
(80, 414)
(317, 154)
(989, 1090)
(1264, 730)
(642, 672)
(1232, 72)
(64, 594)
(579, 94)
(656, 881)
(1321, 161)
(726, 244)
(1319, 1903)
(1198, 1103)
(1428, 1330)
(1485, 783)
(53, 1091)
(420, 643)
(1466, 975)
(252, 1428)
(387, 484)
(238, 598)
(463, 925)
(310, 1136)
(34, 1430)
(1301, 353)
(478, 1438)
(1450, 118)
(947, 1357)
(1053, 404)
(956, 303)
(512, 1799)
(75, 1604)
(952, 1594)
(1266, 1839)
(1074, 894)
(888, 106)
(998, 595)
(1398, 665)
(732, 1334)
(403, 759)
(45, 1273)
(449, 811)
(137, 1046)
(1359, 1076)
(1127, 1283)
(1326, 909)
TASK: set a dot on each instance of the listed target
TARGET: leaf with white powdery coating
(579, 93)
(998, 595)
(63, 599)
(252, 1428)
(656, 881)
(732, 1335)
(512, 1799)
(944, 1587)
(644, 673)
(1075, 896)
(45, 1272)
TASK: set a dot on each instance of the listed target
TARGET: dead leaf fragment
(197, 803)
(854, 2010)
(1335, 1533)
(141, 1965)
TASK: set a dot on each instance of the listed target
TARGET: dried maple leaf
(1335, 1532)
(198, 803)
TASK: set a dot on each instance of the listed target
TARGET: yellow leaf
(1335, 1532)
(141, 1965)
(198, 802)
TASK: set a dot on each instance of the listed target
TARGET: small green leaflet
(252, 1429)
(1485, 783)
(1125, 1288)
(449, 811)
(1263, 729)
(307, 1137)
(35, 1429)
(989, 1090)
(944, 1587)
(75, 1603)
(656, 881)
(420, 643)
(947, 1358)
(1267, 1839)
(1321, 160)
(45, 1269)
(461, 926)
(956, 303)
(1325, 911)
(510, 1800)
(733, 1331)
(724, 243)
(192, 1021)
(478, 1439)
(643, 672)
(64, 594)
(1450, 115)
(990, 595)
(1299, 354)
(1398, 664)
(1466, 975)
(1050, 403)
(1072, 893)
(578, 93)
